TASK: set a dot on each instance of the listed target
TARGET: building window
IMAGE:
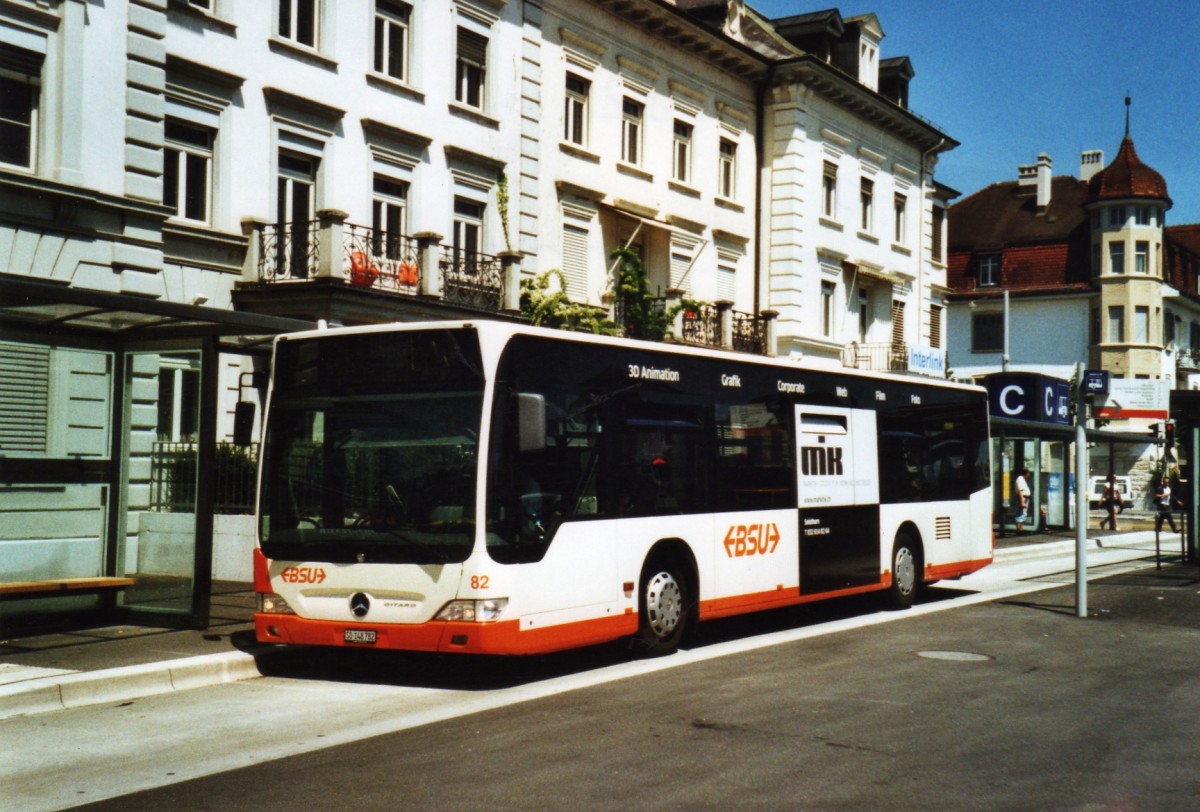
(727, 170)
(1116, 257)
(575, 110)
(1116, 324)
(829, 190)
(295, 204)
(204, 4)
(389, 205)
(576, 237)
(1141, 324)
(726, 280)
(298, 21)
(1117, 216)
(1141, 257)
(20, 85)
(391, 39)
(472, 66)
(900, 207)
(989, 270)
(1141, 215)
(468, 230)
(935, 326)
(987, 332)
(178, 403)
(681, 165)
(898, 323)
(864, 314)
(939, 223)
(866, 197)
(631, 131)
(828, 290)
(187, 170)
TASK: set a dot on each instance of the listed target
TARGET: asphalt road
(1009, 704)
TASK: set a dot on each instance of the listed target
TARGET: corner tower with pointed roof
(1127, 203)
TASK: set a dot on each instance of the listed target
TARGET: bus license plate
(359, 636)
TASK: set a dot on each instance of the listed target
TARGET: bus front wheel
(662, 612)
(906, 572)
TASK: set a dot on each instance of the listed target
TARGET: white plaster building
(182, 179)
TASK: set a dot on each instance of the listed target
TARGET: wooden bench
(17, 590)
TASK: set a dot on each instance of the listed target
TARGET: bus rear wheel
(906, 573)
(662, 609)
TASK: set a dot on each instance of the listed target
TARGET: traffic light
(1170, 434)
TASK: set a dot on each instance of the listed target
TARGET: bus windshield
(353, 473)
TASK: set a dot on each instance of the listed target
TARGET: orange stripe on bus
(501, 637)
(262, 574)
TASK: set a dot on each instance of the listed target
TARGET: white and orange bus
(485, 487)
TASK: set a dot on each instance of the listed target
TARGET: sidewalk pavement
(120, 663)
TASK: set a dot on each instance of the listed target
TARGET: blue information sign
(1095, 382)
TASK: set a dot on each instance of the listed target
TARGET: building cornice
(662, 20)
(807, 74)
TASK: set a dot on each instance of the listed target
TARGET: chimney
(1043, 181)
(1090, 162)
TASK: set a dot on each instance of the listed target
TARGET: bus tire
(662, 608)
(906, 572)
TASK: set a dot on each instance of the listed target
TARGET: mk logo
(818, 460)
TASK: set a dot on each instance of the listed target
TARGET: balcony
(327, 262)
(1187, 360)
(717, 325)
(889, 357)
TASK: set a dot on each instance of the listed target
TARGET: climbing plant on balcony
(546, 304)
(639, 313)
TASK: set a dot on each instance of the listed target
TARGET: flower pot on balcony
(408, 274)
(362, 273)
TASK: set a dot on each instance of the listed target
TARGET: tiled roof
(1006, 213)
(1127, 177)
(1181, 258)
(1041, 251)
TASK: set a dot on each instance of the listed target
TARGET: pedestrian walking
(1023, 494)
(1110, 500)
(1166, 504)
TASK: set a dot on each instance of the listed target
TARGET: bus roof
(503, 331)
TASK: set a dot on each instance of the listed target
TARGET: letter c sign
(1008, 408)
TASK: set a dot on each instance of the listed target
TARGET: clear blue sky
(1012, 78)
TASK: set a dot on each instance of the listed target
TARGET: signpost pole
(1081, 494)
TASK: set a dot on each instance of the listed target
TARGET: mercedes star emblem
(360, 604)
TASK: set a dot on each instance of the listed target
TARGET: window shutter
(680, 265)
(726, 282)
(897, 323)
(574, 262)
(472, 47)
(935, 326)
(19, 60)
(24, 398)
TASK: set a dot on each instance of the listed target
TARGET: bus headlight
(473, 611)
(271, 604)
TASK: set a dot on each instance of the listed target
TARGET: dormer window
(989, 270)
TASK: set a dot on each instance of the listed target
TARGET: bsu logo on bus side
(820, 460)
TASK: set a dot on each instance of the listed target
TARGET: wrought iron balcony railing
(471, 280)
(889, 357)
(329, 248)
(378, 259)
(289, 252)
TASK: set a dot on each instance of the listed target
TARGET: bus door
(838, 491)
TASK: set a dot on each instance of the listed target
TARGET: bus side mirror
(243, 423)
(531, 422)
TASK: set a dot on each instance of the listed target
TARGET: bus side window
(754, 458)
